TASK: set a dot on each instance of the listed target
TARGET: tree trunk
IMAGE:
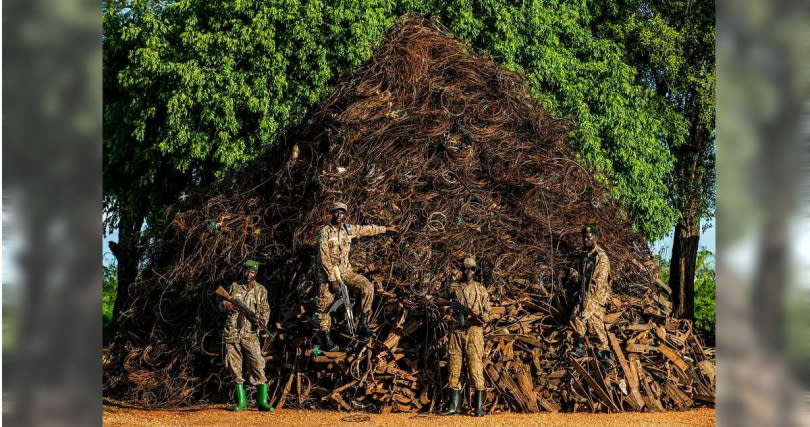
(682, 267)
(127, 255)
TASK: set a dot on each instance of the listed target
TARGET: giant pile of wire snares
(448, 146)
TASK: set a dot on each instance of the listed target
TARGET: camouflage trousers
(356, 283)
(247, 345)
(470, 343)
(591, 317)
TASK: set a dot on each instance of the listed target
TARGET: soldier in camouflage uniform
(467, 337)
(334, 244)
(591, 281)
(241, 336)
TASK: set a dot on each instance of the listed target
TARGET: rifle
(583, 282)
(250, 315)
(467, 312)
(345, 301)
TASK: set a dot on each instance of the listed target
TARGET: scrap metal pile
(449, 147)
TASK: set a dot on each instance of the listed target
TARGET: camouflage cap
(590, 228)
(337, 206)
(251, 265)
(469, 262)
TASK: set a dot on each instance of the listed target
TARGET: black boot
(452, 409)
(579, 346)
(328, 345)
(362, 328)
(479, 403)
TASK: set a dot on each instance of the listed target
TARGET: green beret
(590, 228)
(337, 206)
(251, 265)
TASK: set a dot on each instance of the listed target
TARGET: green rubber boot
(241, 398)
(261, 399)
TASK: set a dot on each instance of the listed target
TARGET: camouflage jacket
(594, 269)
(236, 324)
(334, 244)
(472, 295)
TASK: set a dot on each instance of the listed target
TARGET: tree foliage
(196, 88)
(672, 44)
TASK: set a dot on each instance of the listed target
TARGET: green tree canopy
(671, 43)
(195, 88)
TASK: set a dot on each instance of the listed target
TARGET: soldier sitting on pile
(334, 244)
(242, 337)
(590, 279)
(471, 313)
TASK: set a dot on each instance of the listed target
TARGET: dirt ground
(220, 415)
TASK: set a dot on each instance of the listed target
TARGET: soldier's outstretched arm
(367, 230)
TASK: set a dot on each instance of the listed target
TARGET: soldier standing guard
(591, 280)
(467, 336)
(241, 336)
(334, 244)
